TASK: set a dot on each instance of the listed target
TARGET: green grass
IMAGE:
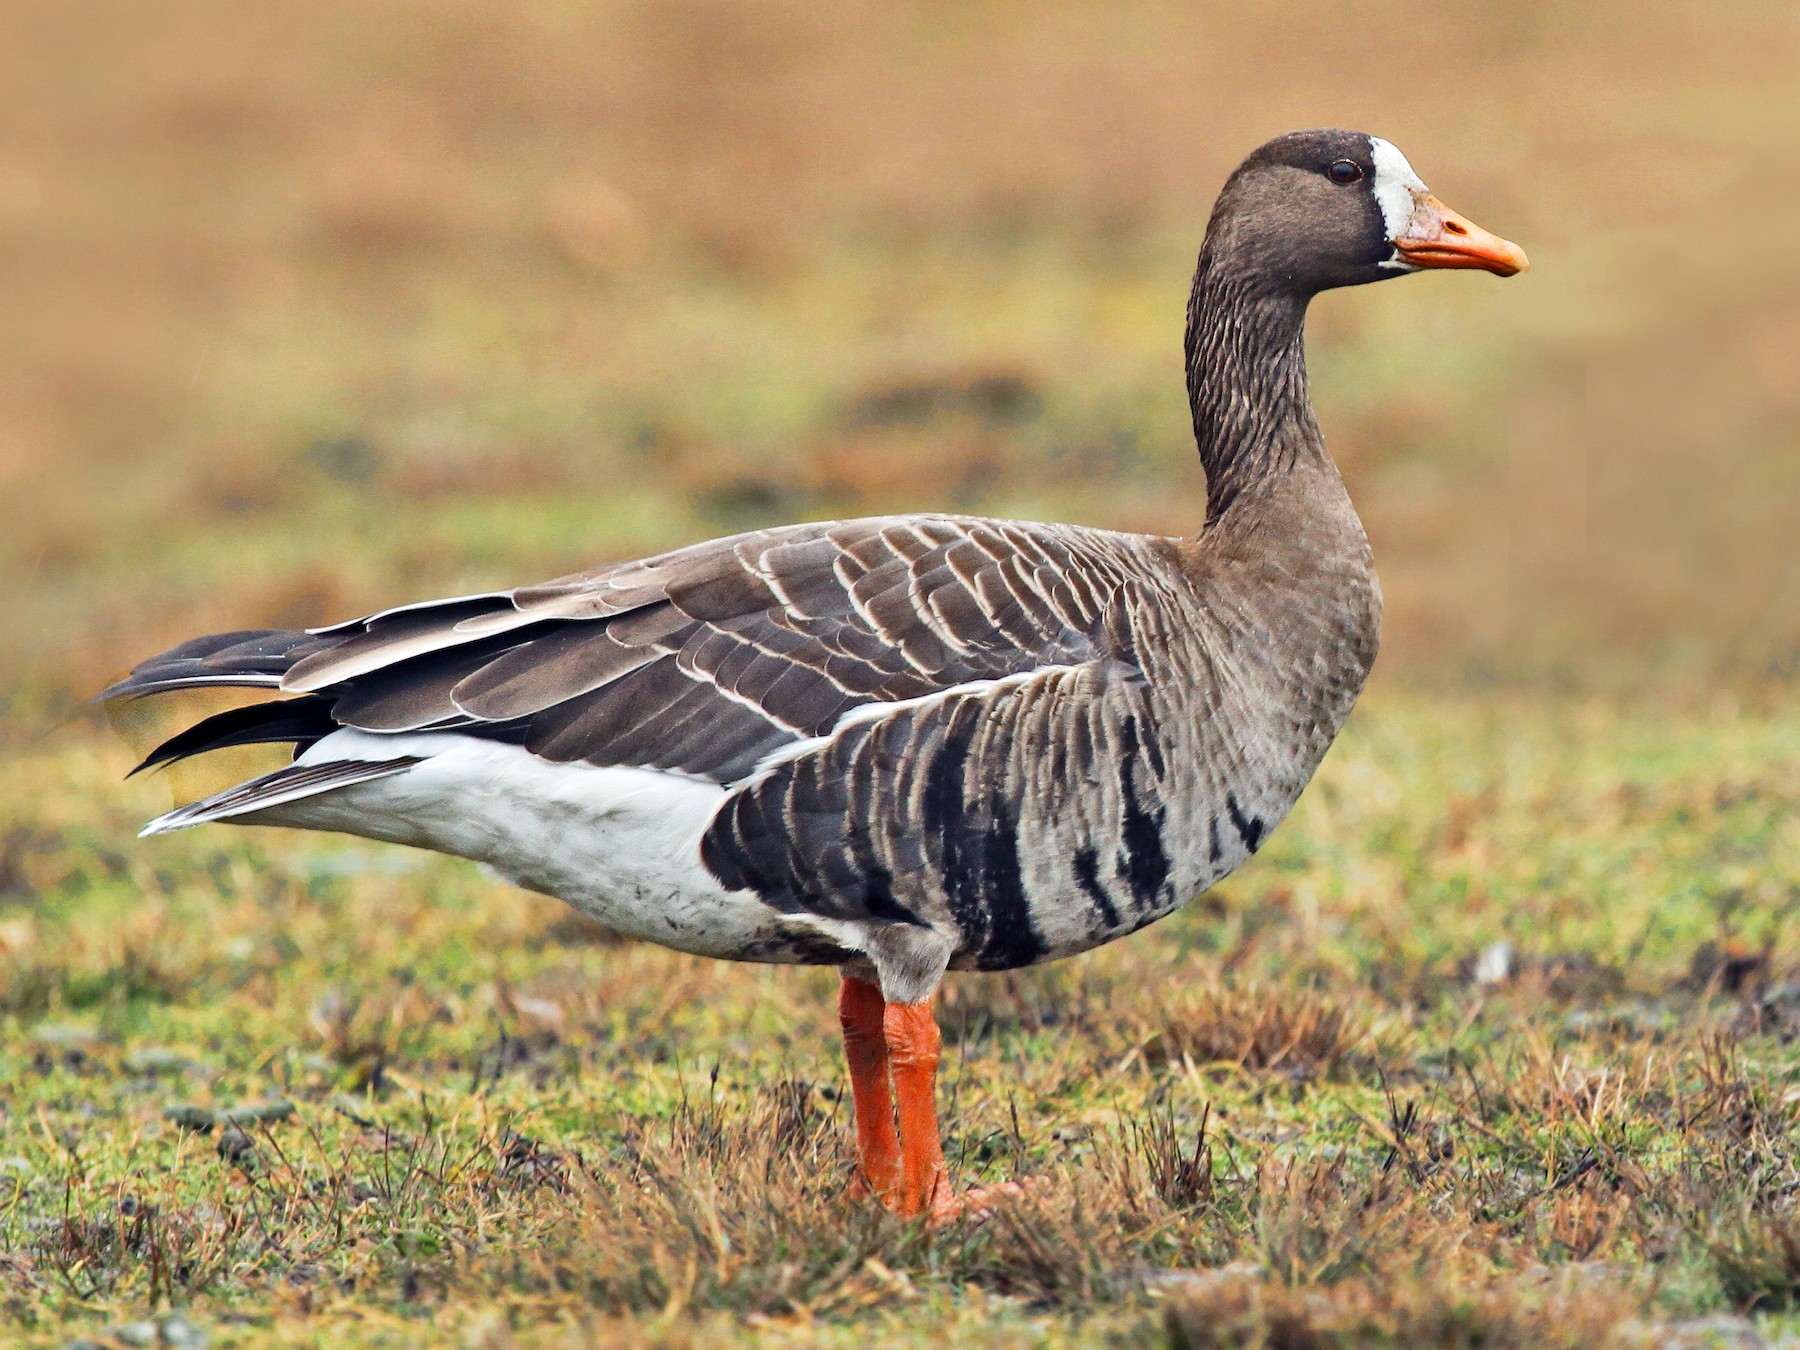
(507, 1128)
(315, 309)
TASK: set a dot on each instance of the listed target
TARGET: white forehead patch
(1397, 187)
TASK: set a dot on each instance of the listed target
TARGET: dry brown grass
(310, 308)
(1296, 1032)
(1415, 1311)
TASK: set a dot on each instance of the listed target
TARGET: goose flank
(899, 745)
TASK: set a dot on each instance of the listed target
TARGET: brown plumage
(904, 744)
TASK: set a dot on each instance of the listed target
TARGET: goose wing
(703, 661)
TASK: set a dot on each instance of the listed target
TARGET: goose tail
(277, 789)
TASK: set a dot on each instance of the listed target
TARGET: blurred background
(312, 308)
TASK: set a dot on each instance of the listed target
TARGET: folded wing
(703, 661)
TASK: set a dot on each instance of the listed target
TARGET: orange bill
(1436, 236)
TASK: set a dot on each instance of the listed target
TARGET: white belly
(622, 845)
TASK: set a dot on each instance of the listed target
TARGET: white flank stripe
(874, 712)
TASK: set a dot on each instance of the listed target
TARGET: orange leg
(860, 1012)
(913, 1042)
(913, 1045)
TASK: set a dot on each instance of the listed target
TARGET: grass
(311, 309)
(1427, 1073)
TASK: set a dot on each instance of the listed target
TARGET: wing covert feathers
(702, 661)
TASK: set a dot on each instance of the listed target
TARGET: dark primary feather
(249, 657)
(298, 720)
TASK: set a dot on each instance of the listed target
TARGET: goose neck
(1246, 374)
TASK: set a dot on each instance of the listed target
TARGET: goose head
(1317, 209)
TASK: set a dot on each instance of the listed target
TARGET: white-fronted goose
(897, 745)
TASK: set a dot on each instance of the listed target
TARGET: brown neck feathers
(1246, 375)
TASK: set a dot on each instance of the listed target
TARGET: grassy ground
(308, 309)
(1493, 1046)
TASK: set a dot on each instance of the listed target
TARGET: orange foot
(860, 1189)
(976, 1204)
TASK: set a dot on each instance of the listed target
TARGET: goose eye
(1345, 171)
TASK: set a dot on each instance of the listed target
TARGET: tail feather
(277, 788)
(300, 720)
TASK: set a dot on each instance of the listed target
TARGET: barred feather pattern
(1028, 739)
(1050, 813)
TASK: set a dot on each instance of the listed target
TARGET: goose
(900, 745)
